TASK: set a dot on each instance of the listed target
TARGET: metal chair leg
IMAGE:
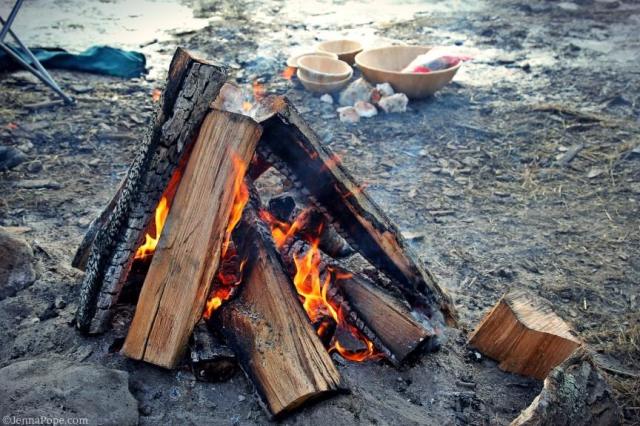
(35, 67)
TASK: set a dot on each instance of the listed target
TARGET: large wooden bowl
(317, 87)
(384, 65)
(345, 49)
(323, 70)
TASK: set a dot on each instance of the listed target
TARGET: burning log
(211, 360)
(289, 207)
(188, 253)
(268, 330)
(379, 317)
(294, 149)
(191, 87)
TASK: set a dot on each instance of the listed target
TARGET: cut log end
(524, 334)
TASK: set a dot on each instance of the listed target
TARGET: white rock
(365, 109)
(385, 89)
(359, 90)
(327, 98)
(348, 114)
(394, 103)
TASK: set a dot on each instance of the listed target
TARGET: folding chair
(35, 67)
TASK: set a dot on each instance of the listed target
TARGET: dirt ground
(474, 176)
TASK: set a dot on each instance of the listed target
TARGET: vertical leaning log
(269, 331)
(188, 254)
(192, 85)
(294, 148)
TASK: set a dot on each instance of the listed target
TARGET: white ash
(365, 109)
(348, 114)
(394, 103)
(327, 98)
(359, 90)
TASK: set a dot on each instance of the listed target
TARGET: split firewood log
(107, 252)
(524, 334)
(266, 327)
(296, 151)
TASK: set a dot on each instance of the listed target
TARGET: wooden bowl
(345, 49)
(293, 60)
(320, 69)
(384, 65)
(316, 87)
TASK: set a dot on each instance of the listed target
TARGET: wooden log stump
(293, 147)
(192, 85)
(268, 330)
(188, 253)
(524, 334)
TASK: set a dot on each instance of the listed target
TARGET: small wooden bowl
(316, 87)
(323, 70)
(345, 49)
(293, 60)
(384, 65)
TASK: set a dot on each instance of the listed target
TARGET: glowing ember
(150, 243)
(155, 95)
(288, 73)
(227, 278)
(313, 290)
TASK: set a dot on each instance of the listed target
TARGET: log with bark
(574, 393)
(268, 329)
(188, 253)
(293, 148)
(192, 85)
(524, 334)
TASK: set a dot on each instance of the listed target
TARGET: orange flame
(149, 246)
(313, 290)
(155, 95)
(288, 73)
(225, 282)
(240, 198)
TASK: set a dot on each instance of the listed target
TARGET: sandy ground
(474, 174)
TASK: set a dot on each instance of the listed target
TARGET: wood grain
(524, 334)
(188, 253)
(387, 318)
(269, 331)
(106, 253)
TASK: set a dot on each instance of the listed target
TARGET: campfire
(228, 274)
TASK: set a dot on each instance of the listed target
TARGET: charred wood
(294, 149)
(192, 85)
(210, 359)
(189, 250)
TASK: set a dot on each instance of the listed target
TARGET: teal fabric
(103, 60)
